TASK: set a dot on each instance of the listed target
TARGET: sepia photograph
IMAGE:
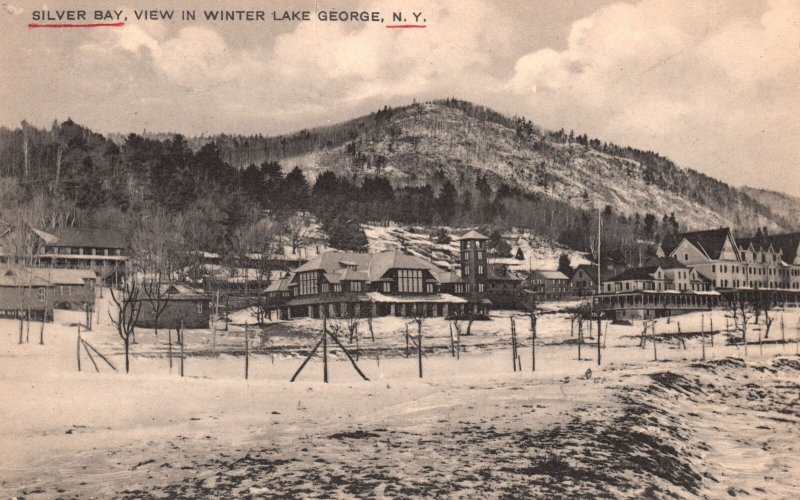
(399, 249)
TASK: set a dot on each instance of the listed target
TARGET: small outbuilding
(181, 303)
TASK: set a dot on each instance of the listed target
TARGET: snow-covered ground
(471, 427)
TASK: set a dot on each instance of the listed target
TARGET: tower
(473, 262)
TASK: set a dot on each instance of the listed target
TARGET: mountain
(427, 143)
(780, 204)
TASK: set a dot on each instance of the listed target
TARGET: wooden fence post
(703, 334)
(183, 341)
(655, 353)
(599, 334)
(324, 349)
(452, 342)
(783, 334)
(246, 352)
(407, 340)
(79, 348)
(169, 348)
(513, 345)
(711, 328)
(419, 352)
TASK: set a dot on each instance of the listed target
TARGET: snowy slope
(539, 253)
(430, 140)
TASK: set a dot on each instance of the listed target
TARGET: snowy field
(471, 427)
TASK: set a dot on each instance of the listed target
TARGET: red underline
(404, 26)
(94, 25)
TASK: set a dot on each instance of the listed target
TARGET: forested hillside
(782, 205)
(438, 163)
(421, 143)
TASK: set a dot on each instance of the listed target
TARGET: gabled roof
(179, 291)
(282, 285)
(472, 235)
(20, 277)
(64, 276)
(634, 273)
(591, 270)
(338, 266)
(786, 244)
(710, 241)
(664, 263)
(549, 274)
(83, 237)
(501, 271)
(395, 259)
(449, 277)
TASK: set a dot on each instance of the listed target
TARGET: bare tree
(261, 242)
(741, 311)
(580, 315)
(297, 228)
(763, 305)
(154, 249)
(352, 317)
(128, 305)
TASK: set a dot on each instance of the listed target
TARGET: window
(199, 308)
(466, 270)
(386, 287)
(41, 294)
(713, 268)
(337, 287)
(430, 287)
(480, 255)
(480, 269)
(308, 283)
(686, 256)
(480, 287)
(409, 281)
(355, 286)
(466, 255)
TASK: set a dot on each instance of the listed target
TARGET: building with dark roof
(337, 284)
(548, 285)
(761, 262)
(25, 295)
(101, 250)
(183, 306)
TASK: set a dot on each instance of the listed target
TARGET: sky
(713, 85)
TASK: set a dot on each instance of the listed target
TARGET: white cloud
(706, 83)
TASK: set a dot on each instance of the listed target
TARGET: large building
(695, 270)
(548, 285)
(101, 250)
(393, 282)
(762, 262)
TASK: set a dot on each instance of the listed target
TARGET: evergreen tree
(564, 265)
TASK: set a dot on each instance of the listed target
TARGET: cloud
(196, 57)
(704, 82)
